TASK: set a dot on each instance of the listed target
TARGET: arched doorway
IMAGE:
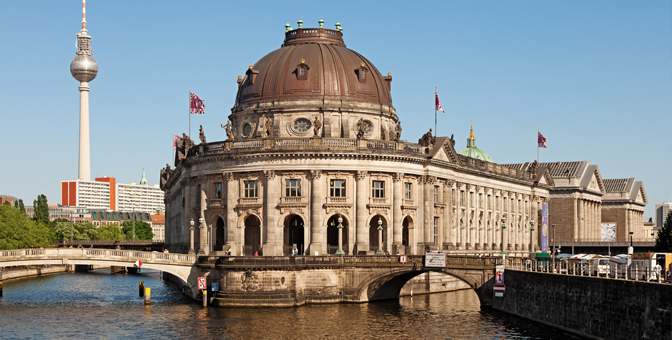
(373, 233)
(293, 234)
(404, 231)
(332, 235)
(220, 234)
(252, 235)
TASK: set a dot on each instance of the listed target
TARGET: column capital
(229, 176)
(361, 175)
(398, 176)
(315, 174)
(269, 174)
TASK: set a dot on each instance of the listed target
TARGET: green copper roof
(472, 151)
(143, 180)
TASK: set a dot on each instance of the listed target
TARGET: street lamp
(531, 237)
(200, 243)
(572, 244)
(631, 238)
(340, 236)
(191, 237)
(630, 249)
(553, 226)
(380, 237)
(501, 247)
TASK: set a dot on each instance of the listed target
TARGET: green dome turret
(143, 180)
(472, 151)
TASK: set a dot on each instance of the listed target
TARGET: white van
(600, 266)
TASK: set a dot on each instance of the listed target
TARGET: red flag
(541, 140)
(175, 139)
(196, 105)
(437, 104)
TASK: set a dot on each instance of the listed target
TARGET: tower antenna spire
(84, 16)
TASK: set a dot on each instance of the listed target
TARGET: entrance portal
(373, 233)
(332, 235)
(220, 235)
(252, 235)
(293, 235)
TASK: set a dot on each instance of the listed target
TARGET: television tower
(84, 69)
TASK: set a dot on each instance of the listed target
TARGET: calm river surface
(102, 305)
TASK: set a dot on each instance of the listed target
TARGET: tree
(41, 214)
(7, 203)
(110, 232)
(664, 236)
(16, 231)
(82, 231)
(22, 207)
(143, 231)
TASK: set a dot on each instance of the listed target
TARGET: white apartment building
(139, 197)
(662, 211)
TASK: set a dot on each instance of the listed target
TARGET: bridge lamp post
(380, 237)
(553, 254)
(191, 237)
(200, 244)
(340, 236)
(501, 247)
(531, 237)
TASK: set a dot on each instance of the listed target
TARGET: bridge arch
(386, 284)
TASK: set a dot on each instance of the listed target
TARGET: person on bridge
(70, 246)
(80, 246)
(256, 253)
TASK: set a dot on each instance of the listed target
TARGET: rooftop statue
(427, 139)
(201, 135)
(269, 127)
(361, 128)
(397, 129)
(187, 143)
(227, 128)
(317, 125)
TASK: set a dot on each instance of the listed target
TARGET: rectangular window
(480, 201)
(337, 188)
(302, 71)
(436, 194)
(461, 197)
(108, 215)
(293, 187)
(115, 215)
(250, 188)
(378, 189)
(436, 230)
(407, 191)
(218, 190)
(94, 215)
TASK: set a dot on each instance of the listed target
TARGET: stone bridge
(291, 281)
(179, 265)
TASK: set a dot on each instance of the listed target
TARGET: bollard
(148, 293)
(0, 288)
(141, 288)
(205, 298)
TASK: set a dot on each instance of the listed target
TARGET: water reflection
(99, 304)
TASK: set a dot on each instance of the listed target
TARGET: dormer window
(361, 72)
(302, 70)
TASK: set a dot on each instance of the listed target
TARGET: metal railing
(611, 271)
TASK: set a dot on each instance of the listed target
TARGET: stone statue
(187, 143)
(397, 129)
(227, 128)
(533, 167)
(317, 125)
(168, 167)
(201, 135)
(427, 139)
(269, 127)
(452, 140)
(361, 128)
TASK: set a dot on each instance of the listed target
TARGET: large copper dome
(313, 80)
(331, 70)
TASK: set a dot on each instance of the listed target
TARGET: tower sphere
(84, 68)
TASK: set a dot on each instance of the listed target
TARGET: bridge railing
(131, 255)
(633, 271)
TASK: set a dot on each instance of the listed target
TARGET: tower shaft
(84, 149)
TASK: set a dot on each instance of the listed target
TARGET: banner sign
(608, 232)
(544, 227)
(435, 260)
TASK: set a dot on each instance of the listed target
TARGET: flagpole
(537, 145)
(435, 93)
(189, 111)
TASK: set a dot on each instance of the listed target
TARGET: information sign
(215, 286)
(201, 283)
(402, 258)
(435, 260)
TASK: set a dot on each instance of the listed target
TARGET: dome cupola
(472, 151)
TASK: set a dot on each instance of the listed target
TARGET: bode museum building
(314, 165)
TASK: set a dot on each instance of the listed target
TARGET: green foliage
(22, 207)
(41, 207)
(143, 231)
(81, 231)
(16, 231)
(664, 236)
(7, 203)
(110, 232)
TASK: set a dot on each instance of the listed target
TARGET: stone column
(231, 218)
(362, 242)
(203, 227)
(447, 202)
(316, 213)
(428, 204)
(270, 201)
(396, 212)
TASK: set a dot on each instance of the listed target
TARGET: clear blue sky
(593, 76)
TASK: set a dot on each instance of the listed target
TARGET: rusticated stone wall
(590, 306)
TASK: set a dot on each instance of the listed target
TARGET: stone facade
(310, 144)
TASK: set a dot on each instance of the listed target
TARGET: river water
(103, 305)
